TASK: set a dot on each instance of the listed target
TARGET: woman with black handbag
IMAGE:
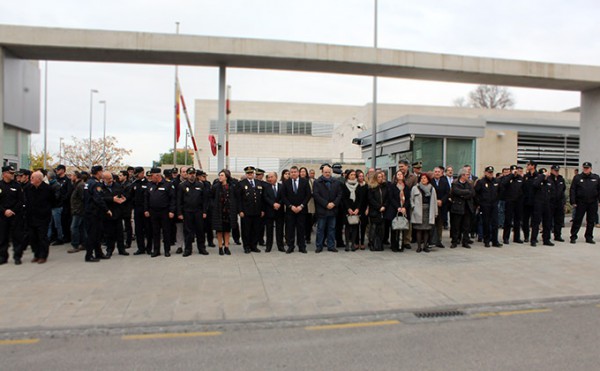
(399, 205)
(377, 198)
(423, 200)
(352, 200)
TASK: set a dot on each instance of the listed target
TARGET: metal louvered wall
(548, 149)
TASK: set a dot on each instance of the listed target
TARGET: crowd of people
(349, 209)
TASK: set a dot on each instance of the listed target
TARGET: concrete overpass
(40, 43)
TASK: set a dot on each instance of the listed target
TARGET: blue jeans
(56, 221)
(78, 234)
(326, 224)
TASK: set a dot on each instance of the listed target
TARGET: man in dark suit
(295, 196)
(251, 196)
(442, 191)
(274, 212)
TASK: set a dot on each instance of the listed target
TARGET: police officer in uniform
(512, 189)
(12, 202)
(143, 227)
(542, 193)
(585, 195)
(259, 178)
(557, 202)
(95, 212)
(208, 231)
(192, 205)
(528, 197)
(125, 182)
(486, 190)
(250, 194)
(159, 206)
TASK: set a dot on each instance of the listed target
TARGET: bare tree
(492, 97)
(78, 153)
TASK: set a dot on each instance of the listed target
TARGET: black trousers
(590, 209)
(113, 233)
(557, 212)
(541, 214)
(38, 237)
(364, 225)
(276, 222)
(309, 221)
(460, 226)
(340, 223)
(527, 218)
(143, 230)
(295, 225)
(93, 244)
(126, 221)
(11, 229)
(512, 219)
(193, 229)
(65, 221)
(376, 227)
(160, 221)
(489, 215)
(235, 232)
(208, 230)
(251, 225)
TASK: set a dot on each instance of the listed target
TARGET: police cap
(61, 167)
(130, 168)
(555, 167)
(249, 169)
(167, 172)
(138, 169)
(489, 169)
(8, 168)
(532, 163)
(542, 170)
(200, 172)
(587, 164)
(155, 170)
(190, 170)
(259, 171)
(417, 164)
(513, 167)
(25, 171)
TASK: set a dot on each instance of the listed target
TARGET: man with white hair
(462, 209)
(11, 215)
(39, 198)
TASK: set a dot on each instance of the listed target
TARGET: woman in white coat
(423, 201)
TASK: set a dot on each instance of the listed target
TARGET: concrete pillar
(589, 130)
(1, 106)
(221, 118)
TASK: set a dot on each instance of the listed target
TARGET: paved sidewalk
(128, 290)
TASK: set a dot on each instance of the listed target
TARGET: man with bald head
(327, 193)
(39, 197)
(112, 193)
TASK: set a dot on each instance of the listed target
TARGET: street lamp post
(103, 102)
(374, 127)
(92, 91)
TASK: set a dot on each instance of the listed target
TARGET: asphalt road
(561, 337)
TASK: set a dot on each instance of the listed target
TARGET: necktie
(295, 186)
(252, 183)
(275, 190)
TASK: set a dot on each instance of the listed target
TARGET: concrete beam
(1, 106)
(153, 48)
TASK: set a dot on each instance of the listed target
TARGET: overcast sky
(140, 97)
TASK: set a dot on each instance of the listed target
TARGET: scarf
(426, 188)
(351, 185)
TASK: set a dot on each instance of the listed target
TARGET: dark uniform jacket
(543, 190)
(559, 186)
(192, 197)
(462, 196)
(585, 188)
(138, 193)
(160, 197)
(77, 206)
(39, 202)
(93, 198)
(127, 192)
(324, 194)
(486, 191)
(528, 190)
(11, 198)
(512, 187)
(251, 198)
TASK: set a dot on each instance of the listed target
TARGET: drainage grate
(440, 314)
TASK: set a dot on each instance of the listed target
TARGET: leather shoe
(453, 246)
(103, 257)
(318, 250)
(57, 243)
(289, 250)
(42, 261)
(333, 249)
(35, 260)
(202, 252)
(573, 240)
(227, 251)
(466, 245)
(590, 241)
(179, 250)
(303, 250)
(139, 252)
(186, 253)
(526, 239)
(533, 243)
(254, 249)
(506, 242)
(124, 253)
(167, 254)
(518, 241)
(155, 254)
(548, 243)
(18, 262)
(440, 245)
(92, 260)
(487, 244)
(496, 244)
(559, 239)
(268, 249)
(281, 249)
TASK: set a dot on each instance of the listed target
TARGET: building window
(460, 152)
(548, 149)
(271, 127)
(429, 151)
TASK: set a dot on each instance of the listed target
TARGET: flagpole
(227, 113)
(175, 108)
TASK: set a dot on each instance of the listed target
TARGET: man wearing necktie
(274, 213)
(252, 197)
(295, 196)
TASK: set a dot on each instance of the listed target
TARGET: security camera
(357, 141)
(360, 126)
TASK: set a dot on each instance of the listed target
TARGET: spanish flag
(177, 120)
